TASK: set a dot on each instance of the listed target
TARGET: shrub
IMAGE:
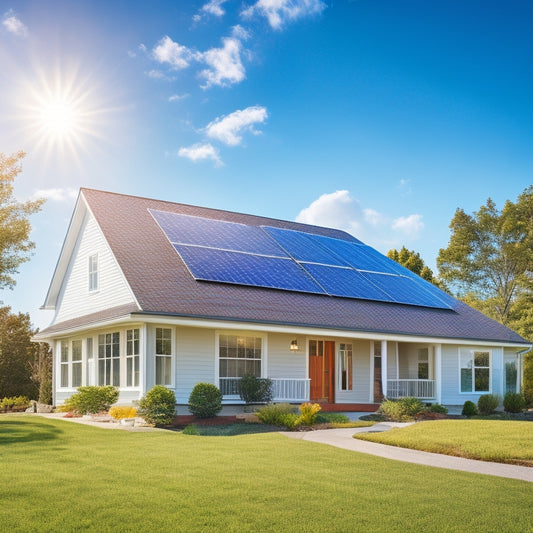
(401, 410)
(122, 411)
(469, 409)
(255, 390)
(158, 406)
(205, 400)
(437, 408)
(309, 412)
(331, 418)
(514, 402)
(191, 430)
(92, 400)
(14, 402)
(487, 403)
(278, 414)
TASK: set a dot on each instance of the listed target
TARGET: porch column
(384, 367)
(438, 373)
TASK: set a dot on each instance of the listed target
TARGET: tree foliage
(24, 365)
(15, 228)
(489, 263)
(412, 261)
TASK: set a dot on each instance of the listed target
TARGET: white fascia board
(65, 255)
(139, 318)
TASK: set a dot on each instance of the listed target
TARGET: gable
(89, 250)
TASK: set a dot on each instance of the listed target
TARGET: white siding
(75, 299)
(282, 363)
(195, 360)
(361, 373)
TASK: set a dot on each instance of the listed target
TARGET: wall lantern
(294, 346)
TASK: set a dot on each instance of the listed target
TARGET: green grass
(499, 441)
(61, 476)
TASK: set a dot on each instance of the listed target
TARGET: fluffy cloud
(57, 194)
(411, 225)
(229, 129)
(177, 97)
(279, 12)
(340, 210)
(225, 65)
(176, 55)
(214, 7)
(14, 25)
(199, 152)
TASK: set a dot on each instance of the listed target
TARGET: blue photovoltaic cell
(185, 229)
(403, 290)
(345, 282)
(303, 247)
(246, 269)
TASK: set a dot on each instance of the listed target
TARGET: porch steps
(349, 407)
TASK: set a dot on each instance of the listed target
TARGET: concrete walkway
(343, 438)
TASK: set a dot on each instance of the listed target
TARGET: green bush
(191, 429)
(255, 390)
(158, 406)
(14, 402)
(487, 403)
(514, 402)
(437, 408)
(331, 418)
(92, 400)
(469, 409)
(205, 400)
(401, 410)
(278, 414)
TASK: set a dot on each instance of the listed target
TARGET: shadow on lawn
(27, 432)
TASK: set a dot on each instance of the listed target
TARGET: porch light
(294, 346)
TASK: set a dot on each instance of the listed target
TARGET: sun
(59, 118)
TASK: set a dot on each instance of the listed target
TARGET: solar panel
(303, 247)
(278, 258)
(186, 229)
(210, 264)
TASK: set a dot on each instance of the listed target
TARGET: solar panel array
(278, 258)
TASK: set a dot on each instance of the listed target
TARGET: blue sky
(380, 118)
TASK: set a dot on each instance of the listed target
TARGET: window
(109, 359)
(345, 367)
(423, 363)
(132, 358)
(76, 363)
(163, 356)
(93, 272)
(90, 362)
(475, 370)
(511, 375)
(239, 356)
(64, 364)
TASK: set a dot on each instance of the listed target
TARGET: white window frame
(110, 378)
(472, 352)
(345, 361)
(76, 364)
(132, 355)
(169, 357)
(93, 273)
(90, 362)
(64, 363)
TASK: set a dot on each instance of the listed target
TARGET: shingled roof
(163, 285)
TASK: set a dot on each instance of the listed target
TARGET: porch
(283, 390)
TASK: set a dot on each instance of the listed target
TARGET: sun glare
(59, 118)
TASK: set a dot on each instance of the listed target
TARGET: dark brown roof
(163, 285)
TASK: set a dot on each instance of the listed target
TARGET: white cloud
(240, 33)
(214, 7)
(177, 97)
(225, 64)
(340, 210)
(411, 225)
(57, 194)
(159, 75)
(228, 129)
(14, 25)
(199, 152)
(168, 51)
(279, 12)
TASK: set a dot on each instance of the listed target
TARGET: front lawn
(502, 441)
(60, 476)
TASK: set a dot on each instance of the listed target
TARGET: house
(150, 292)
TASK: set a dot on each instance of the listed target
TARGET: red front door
(321, 370)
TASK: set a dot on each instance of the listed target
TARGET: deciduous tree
(412, 261)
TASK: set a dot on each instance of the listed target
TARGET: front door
(321, 370)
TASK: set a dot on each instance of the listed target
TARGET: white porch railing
(283, 389)
(423, 389)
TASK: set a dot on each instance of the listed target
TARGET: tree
(489, 262)
(412, 261)
(15, 228)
